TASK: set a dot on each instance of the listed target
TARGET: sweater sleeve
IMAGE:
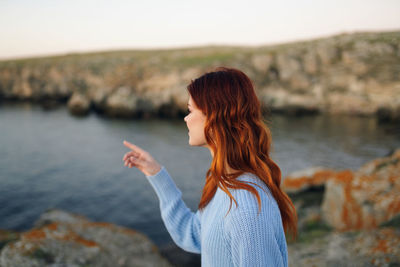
(182, 224)
(256, 238)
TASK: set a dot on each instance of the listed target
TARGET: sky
(43, 27)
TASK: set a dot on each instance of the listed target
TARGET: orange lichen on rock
(34, 234)
(381, 246)
(394, 206)
(345, 177)
(386, 242)
(85, 242)
(72, 236)
(53, 231)
(352, 214)
(52, 226)
(295, 183)
(363, 199)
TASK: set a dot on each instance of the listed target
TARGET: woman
(225, 116)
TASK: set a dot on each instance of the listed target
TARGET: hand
(140, 159)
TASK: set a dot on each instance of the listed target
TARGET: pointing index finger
(132, 146)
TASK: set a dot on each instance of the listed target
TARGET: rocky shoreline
(356, 74)
(346, 218)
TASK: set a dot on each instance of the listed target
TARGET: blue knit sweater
(243, 237)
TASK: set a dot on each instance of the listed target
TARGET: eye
(188, 110)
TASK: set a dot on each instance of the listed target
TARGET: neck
(228, 169)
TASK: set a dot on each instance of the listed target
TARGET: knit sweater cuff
(164, 186)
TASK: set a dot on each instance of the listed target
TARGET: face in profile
(195, 121)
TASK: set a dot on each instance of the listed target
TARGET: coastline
(355, 74)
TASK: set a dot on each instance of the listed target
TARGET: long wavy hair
(238, 136)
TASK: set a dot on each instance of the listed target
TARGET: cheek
(195, 123)
(192, 123)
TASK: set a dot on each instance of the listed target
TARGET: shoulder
(247, 198)
(247, 203)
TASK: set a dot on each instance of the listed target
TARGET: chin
(194, 143)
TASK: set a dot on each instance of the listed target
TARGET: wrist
(154, 170)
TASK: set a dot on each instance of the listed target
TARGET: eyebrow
(189, 105)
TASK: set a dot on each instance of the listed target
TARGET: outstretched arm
(182, 224)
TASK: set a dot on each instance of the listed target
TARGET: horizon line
(192, 46)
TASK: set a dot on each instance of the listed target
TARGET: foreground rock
(350, 200)
(63, 239)
(366, 198)
(350, 73)
(380, 247)
(308, 179)
(347, 218)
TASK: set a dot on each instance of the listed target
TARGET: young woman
(243, 214)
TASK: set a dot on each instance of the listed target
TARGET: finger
(136, 161)
(129, 164)
(126, 155)
(130, 153)
(133, 164)
(133, 147)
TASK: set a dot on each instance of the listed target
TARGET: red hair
(237, 135)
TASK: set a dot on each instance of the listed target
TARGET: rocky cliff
(349, 73)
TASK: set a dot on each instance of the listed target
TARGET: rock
(300, 83)
(79, 104)
(280, 100)
(122, 102)
(366, 198)
(98, 98)
(288, 66)
(65, 239)
(310, 224)
(310, 62)
(7, 236)
(262, 62)
(328, 52)
(306, 179)
(380, 247)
